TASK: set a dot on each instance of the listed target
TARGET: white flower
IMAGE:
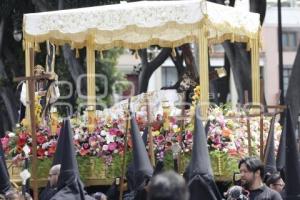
(105, 147)
(109, 138)
(45, 145)
(103, 133)
(11, 134)
(76, 130)
(76, 136)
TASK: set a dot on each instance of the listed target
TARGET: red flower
(21, 142)
(40, 152)
(52, 149)
(41, 139)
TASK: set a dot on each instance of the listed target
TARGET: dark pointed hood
(269, 158)
(142, 166)
(69, 183)
(292, 161)
(4, 180)
(207, 125)
(280, 159)
(201, 181)
(145, 136)
(48, 191)
(200, 161)
(59, 146)
(130, 168)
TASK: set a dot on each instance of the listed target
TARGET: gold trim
(91, 83)
(255, 71)
(203, 71)
(218, 33)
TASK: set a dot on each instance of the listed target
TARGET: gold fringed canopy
(141, 24)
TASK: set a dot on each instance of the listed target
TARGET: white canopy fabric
(140, 24)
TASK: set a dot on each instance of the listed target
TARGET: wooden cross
(31, 107)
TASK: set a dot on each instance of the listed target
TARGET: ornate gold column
(255, 73)
(203, 70)
(91, 91)
(28, 46)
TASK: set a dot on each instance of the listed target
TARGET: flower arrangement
(228, 132)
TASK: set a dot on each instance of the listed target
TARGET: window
(287, 70)
(289, 41)
(169, 76)
(218, 48)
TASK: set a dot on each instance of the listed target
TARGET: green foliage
(115, 80)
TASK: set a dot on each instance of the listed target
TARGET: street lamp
(17, 35)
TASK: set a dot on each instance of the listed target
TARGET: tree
(12, 63)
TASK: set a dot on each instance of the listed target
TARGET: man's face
(53, 177)
(247, 177)
(278, 186)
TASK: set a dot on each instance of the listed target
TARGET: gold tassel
(173, 52)
(57, 50)
(101, 55)
(77, 53)
(37, 47)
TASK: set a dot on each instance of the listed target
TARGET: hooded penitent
(142, 166)
(201, 181)
(4, 176)
(269, 158)
(143, 169)
(69, 184)
(291, 162)
(280, 159)
(49, 192)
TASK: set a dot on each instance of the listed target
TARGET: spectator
(99, 196)
(252, 171)
(168, 186)
(53, 175)
(275, 182)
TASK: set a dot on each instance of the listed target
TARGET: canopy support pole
(30, 111)
(91, 91)
(255, 71)
(203, 70)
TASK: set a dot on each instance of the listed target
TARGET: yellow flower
(155, 133)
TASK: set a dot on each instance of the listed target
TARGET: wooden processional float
(138, 25)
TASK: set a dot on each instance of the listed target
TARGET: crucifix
(30, 111)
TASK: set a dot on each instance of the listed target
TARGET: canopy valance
(140, 24)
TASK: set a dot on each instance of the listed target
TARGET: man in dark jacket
(252, 172)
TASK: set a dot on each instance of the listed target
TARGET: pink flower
(112, 146)
(5, 141)
(114, 131)
(189, 135)
(83, 151)
(160, 138)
